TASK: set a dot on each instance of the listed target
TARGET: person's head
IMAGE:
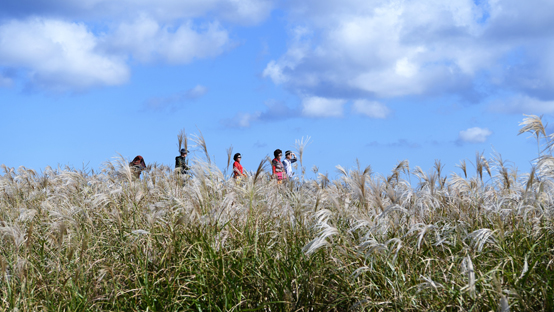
(288, 154)
(237, 157)
(184, 152)
(278, 153)
(138, 160)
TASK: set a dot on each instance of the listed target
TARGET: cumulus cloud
(315, 106)
(59, 55)
(371, 109)
(383, 49)
(474, 135)
(95, 47)
(173, 101)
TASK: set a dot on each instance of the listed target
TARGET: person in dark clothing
(180, 162)
(137, 165)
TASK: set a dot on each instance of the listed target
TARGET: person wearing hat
(180, 162)
(238, 171)
(290, 158)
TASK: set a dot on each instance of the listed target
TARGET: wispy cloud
(474, 135)
(5, 80)
(174, 101)
(522, 104)
(274, 111)
(241, 120)
(401, 143)
(371, 109)
(259, 144)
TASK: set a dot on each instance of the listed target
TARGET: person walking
(137, 165)
(180, 162)
(290, 158)
(277, 166)
(238, 171)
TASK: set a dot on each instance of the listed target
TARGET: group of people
(281, 170)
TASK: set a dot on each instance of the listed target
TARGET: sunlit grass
(85, 241)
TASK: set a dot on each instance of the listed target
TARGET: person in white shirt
(290, 158)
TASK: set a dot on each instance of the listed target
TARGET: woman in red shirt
(237, 167)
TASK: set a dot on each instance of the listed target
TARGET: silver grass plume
(467, 268)
(422, 229)
(428, 283)
(503, 173)
(462, 165)
(322, 217)
(533, 124)
(201, 142)
(504, 306)
(259, 170)
(300, 145)
(480, 237)
(460, 184)
(182, 140)
(229, 155)
(321, 240)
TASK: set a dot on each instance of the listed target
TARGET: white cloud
(522, 104)
(59, 55)
(65, 56)
(371, 109)
(322, 107)
(388, 48)
(147, 41)
(175, 101)
(474, 135)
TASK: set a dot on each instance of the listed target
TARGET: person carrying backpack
(180, 162)
(277, 166)
(290, 158)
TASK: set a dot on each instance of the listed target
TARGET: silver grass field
(481, 239)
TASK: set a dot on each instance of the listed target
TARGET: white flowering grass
(73, 240)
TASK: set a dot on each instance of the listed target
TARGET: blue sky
(379, 81)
